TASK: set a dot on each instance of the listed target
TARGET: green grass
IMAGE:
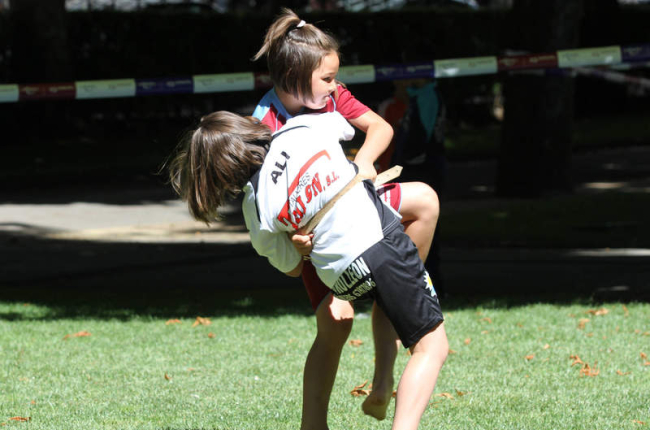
(249, 374)
(612, 219)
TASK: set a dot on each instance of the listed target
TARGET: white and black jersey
(360, 248)
(304, 168)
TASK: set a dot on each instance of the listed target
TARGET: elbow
(385, 127)
(389, 131)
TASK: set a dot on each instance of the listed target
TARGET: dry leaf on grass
(626, 313)
(460, 393)
(445, 395)
(529, 357)
(22, 419)
(586, 369)
(589, 371)
(201, 321)
(212, 335)
(576, 360)
(356, 342)
(547, 346)
(618, 372)
(582, 323)
(359, 391)
(468, 341)
(598, 312)
(167, 377)
(488, 320)
(78, 334)
(639, 422)
(174, 321)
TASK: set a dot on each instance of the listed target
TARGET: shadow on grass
(93, 279)
(125, 303)
(68, 279)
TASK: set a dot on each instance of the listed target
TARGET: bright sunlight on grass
(528, 366)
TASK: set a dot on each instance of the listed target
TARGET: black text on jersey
(277, 173)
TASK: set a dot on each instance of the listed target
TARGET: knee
(420, 203)
(334, 322)
(431, 203)
(443, 354)
(442, 350)
(335, 332)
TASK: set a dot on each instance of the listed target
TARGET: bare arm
(378, 136)
(296, 271)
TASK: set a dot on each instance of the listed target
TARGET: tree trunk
(40, 42)
(535, 156)
(40, 55)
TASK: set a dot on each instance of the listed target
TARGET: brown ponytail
(216, 160)
(293, 50)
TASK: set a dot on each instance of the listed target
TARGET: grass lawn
(80, 360)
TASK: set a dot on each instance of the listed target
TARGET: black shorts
(391, 273)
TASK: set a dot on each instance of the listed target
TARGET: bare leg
(420, 209)
(334, 322)
(419, 378)
(386, 345)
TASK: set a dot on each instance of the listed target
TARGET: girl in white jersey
(303, 62)
(360, 249)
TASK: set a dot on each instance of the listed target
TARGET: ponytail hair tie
(301, 24)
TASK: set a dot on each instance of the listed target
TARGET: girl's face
(323, 81)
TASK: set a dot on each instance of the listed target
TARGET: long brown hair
(215, 161)
(293, 51)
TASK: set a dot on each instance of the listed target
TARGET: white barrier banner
(465, 67)
(357, 74)
(9, 93)
(605, 56)
(105, 89)
(224, 82)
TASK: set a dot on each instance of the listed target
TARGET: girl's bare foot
(376, 404)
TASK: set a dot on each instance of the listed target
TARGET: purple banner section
(404, 71)
(634, 53)
(147, 87)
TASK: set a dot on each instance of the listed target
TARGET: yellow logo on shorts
(429, 283)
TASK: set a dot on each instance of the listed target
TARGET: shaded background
(539, 164)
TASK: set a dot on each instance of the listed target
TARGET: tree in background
(40, 42)
(39, 54)
(536, 146)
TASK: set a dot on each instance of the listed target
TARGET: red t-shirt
(272, 113)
